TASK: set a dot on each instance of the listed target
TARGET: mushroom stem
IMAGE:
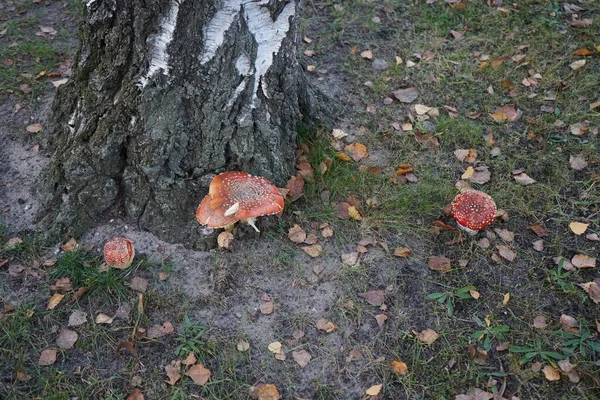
(468, 230)
(250, 221)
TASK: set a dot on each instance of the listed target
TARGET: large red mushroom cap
(473, 210)
(119, 252)
(236, 195)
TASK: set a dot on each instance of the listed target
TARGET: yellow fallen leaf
(474, 293)
(468, 173)
(276, 347)
(506, 299)
(374, 390)
(499, 117)
(578, 228)
(54, 300)
(314, 251)
(265, 392)
(400, 367)
(354, 214)
(343, 156)
(368, 54)
(577, 64)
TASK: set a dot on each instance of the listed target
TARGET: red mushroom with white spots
(473, 210)
(237, 196)
(119, 252)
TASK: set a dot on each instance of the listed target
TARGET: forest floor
(386, 300)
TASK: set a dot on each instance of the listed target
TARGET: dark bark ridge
(164, 95)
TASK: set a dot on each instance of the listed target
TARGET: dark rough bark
(147, 141)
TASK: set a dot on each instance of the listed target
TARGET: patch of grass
(83, 270)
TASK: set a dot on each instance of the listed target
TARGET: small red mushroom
(473, 210)
(234, 196)
(119, 252)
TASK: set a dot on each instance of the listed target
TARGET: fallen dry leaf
(47, 357)
(139, 284)
(325, 325)
(357, 151)
(578, 228)
(402, 252)
(172, 371)
(539, 230)
(54, 300)
(77, 318)
(199, 374)
(267, 307)
(296, 234)
(583, 261)
(265, 392)
(302, 357)
(540, 322)
(243, 345)
(102, 318)
(524, 179)
(477, 394)
(354, 214)
(592, 289)
(295, 187)
(339, 134)
(314, 251)
(224, 239)
(399, 367)
(406, 95)
(34, 128)
(66, 338)
(506, 299)
(427, 336)
(374, 390)
(551, 373)
(350, 259)
(69, 246)
(569, 323)
(538, 245)
(441, 264)
(368, 54)
(135, 394)
(577, 64)
(374, 297)
(190, 359)
(381, 318)
(578, 162)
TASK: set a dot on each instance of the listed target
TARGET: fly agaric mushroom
(473, 210)
(119, 252)
(234, 196)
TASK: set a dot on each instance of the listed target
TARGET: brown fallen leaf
(381, 318)
(399, 367)
(374, 390)
(374, 297)
(172, 371)
(506, 252)
(267, 307)
(47, 357)
(551, 373)
(427, 336)
(199, 374)
(583, 261)
(578, 162)
(225, 239)
(54, 301)
(350, 259)
(139, 284)
(265, 392)
(135, 394)
(476, 394)
(540, 322)
(357, 151)
(77, 318)
(441, 264)
(539, 230)
(406, 95)
(296, 234)
(569, 323)
(295, 187)
(592, 289)
(190, 359)
(70, 245)
(314, 251)
(302, 357)
(325, 325)
(66, 338)
(402, 252)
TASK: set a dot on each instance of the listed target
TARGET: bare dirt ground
(367, 317)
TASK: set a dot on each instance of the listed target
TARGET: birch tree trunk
(165, 94)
